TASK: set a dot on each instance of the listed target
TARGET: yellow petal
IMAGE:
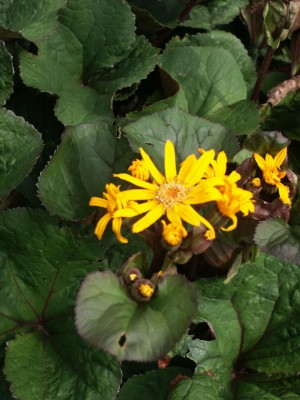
(199, 168)
(135, 181)
(279, 158)
(260, 161)
(234, 223)
(220, 165)
(201, 194)
(97, 201)
(269, 162)
(173, 216)
(185, 167)
(170, 161)
(283, 193)
(187, 213)
(116, 227)
(101, 225)
(137, 194)
(136, 210)
(157, 176)
(149, 219)
(147, 206)
(125, 213)
(209, 227)
(234, 177)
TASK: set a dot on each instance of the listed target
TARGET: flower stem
(262, 73)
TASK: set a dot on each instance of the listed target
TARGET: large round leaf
(209, 77)
(108, 318)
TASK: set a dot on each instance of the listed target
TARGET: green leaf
(85, 67)
(80, 169)
(138, 331)
(164, 11)
(279, 385)
(60, 368)
(187, 132)
(285, 117)
(279, 18)
(234, 46)
(217, 356)
(209, 77)
(246, 391)
(6, 74)
(33, 19)
(21, 144)
(267, 142)
(217, 12)
(198, 387)
(42, 265)
(274, 236)
(117, 254)
(154, 385)
(41, 268)
(241, 118)
(266, 296)
(5, 393)
(138, 64)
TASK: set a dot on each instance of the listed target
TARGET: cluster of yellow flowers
(176, 197)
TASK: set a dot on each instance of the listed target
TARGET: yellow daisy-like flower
(139, 170)
(112, 203)
(173, 194)
(173, 233)
(234, 198)
(272, 175)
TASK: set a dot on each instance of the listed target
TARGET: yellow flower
(146, 290)
(173, 194)
(234, 198)
(112, 203)
(139, 170)
(132, 277)
(269, 167)
(173, 233)
(256, 182)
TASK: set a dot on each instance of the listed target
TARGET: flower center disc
(171, 193)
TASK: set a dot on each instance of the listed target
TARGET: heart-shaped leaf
(209, 77)
(137, 331)
(186, 131)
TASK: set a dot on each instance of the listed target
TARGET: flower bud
(142, 289)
